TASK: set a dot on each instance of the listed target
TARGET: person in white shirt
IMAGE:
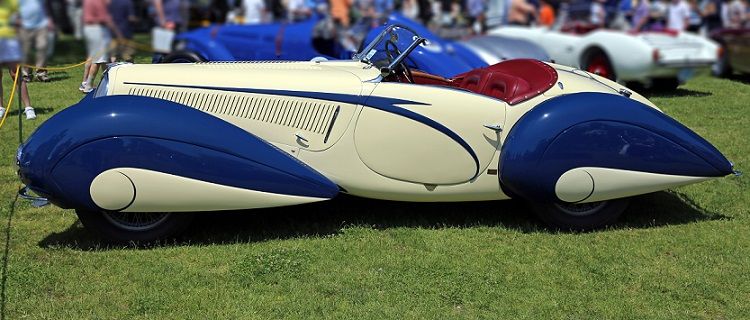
(734, 14)
(678, 15)
(254, 11)
(598, 14)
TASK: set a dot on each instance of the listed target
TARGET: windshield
(390, 47)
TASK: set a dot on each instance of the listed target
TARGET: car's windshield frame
(362, 55)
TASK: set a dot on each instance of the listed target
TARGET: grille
(299, 114)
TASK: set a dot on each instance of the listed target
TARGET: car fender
(602, 131)
(203, 43)
(163, 141)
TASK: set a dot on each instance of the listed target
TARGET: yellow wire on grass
(12, 94)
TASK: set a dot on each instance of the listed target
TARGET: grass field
(676, 254)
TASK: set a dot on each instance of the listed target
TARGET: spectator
(410, 9)
(694, 21)
(254, 11)
(340, 12)
(678, 15)
(382, 8)
(598, 14)
(657, 15)
(521, 13)
(476, 10)
(641, 15)
(297, 10)
(123, 15)
(168, 14)
(10, 55)
(97, 24)
(735, 14)
(35, 28)
(546, 14)
(425, 11)
(497, 12)
(711, 14)
(75, 12)
(623, 16)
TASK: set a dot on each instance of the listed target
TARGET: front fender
(597, 130)
(66, 153)
(201, 42)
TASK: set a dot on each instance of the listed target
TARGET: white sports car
(154, 142)
(661, 59)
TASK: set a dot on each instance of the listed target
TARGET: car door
(428, 134)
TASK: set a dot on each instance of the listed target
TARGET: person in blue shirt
(35, 31)
(123, 15)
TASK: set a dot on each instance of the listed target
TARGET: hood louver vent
(310, 116)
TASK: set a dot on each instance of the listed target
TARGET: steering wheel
(405, 71)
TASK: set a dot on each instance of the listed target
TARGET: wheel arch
(590, 51)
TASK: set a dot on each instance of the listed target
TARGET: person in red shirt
(97, 24)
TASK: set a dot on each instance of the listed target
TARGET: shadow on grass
(679, 92)
(55, 76)
(329, 218)
(37, 110)
(740, 77)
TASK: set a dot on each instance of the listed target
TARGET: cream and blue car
(156, 142)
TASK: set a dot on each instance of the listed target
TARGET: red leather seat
(512, 81)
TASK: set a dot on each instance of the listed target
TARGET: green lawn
(677, 254)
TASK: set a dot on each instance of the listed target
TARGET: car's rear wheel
(136, 227)
(598, 63)
(722, 68)
(183, 57)
(580, 216)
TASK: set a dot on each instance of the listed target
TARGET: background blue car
(310, 39)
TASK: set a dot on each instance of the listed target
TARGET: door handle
(495, 127)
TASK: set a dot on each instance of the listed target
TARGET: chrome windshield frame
(360, 56)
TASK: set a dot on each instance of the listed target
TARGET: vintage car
(155, 142)
(307, 40)
(735, 53)
(661, 59)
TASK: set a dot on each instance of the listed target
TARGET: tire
(722, 68)
(598, 63)
(183, 57)
(665, 84)
(580, 217)
(122, 227)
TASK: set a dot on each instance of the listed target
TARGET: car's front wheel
(580, 216)
(135, 227)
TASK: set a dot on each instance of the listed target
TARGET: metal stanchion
(19, 71)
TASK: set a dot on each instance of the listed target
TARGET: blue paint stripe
(381, 103)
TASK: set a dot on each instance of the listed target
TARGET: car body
(157, 141)
(298, 41)
(661, 58)
(735, 44)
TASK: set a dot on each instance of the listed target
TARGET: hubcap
(599, 66)
(581, 209)
(136, 221)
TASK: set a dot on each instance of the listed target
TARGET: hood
(330, 77)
